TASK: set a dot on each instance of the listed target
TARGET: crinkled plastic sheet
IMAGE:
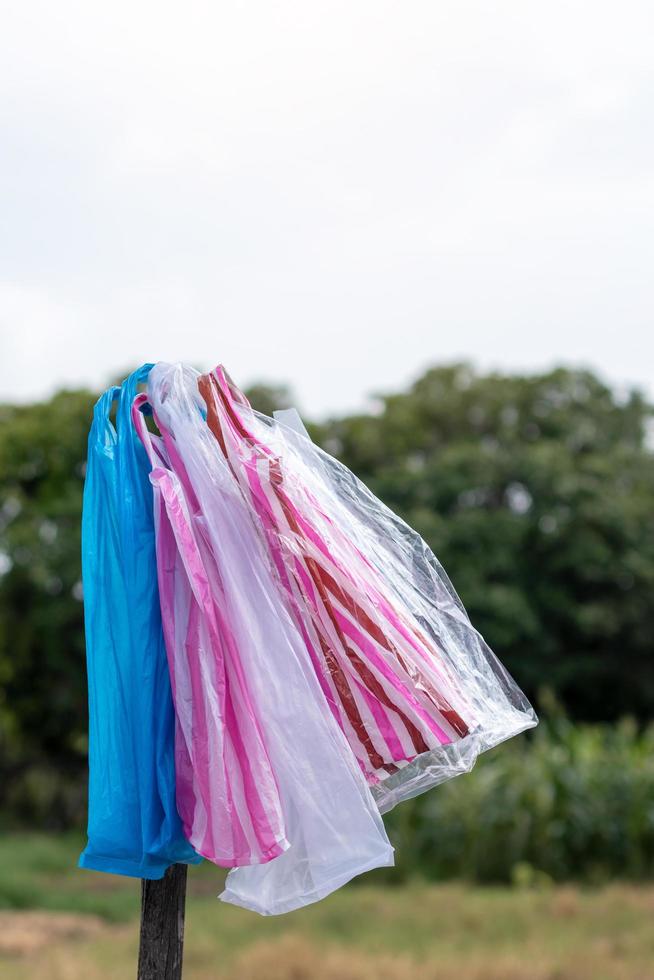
(227, 792)
(403, 619)
(483, 691)
(133, 825)
(369, 681)
(327, 823)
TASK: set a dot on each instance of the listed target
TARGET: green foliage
(568, 801)
(40, 871)
(86, 928)
(537, 495)
(268, 398)
(535, 492)
(43, 716)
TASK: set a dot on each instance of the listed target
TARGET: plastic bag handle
(102, 424)
(142, 431)
(123, 394)
(129, 392)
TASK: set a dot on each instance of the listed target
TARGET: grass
(65, 924)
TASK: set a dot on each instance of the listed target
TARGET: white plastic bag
(331, 823)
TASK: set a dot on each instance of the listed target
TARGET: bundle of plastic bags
(321, 667)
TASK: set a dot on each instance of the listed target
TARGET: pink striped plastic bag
(227, 794)
(412, 684)
(331, 823)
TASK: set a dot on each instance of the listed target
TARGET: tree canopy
(535, 492)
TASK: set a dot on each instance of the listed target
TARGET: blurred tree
(535, 492)
(267, 398)
(537, 495)
(42, 675)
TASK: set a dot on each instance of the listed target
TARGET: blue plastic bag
(133, 825)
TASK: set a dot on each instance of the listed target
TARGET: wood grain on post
(162, 925)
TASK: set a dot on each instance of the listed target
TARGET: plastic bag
(133, 825)
(331, 822)
(226, 789)
(412, 684)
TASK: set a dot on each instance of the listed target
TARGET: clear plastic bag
(414, 687)
(330, 821)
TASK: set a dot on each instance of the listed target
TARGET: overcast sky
(334, 195)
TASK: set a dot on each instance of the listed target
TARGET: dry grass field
(63, 924)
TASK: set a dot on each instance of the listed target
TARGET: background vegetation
(535, 492)
(65, 924)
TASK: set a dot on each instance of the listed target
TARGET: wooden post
(162, 925)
